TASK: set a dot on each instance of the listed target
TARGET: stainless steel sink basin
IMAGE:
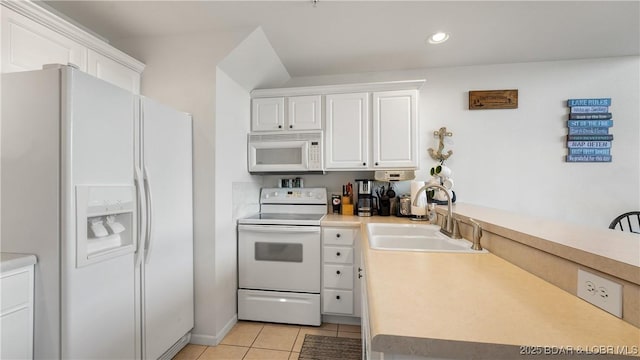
(415, 237)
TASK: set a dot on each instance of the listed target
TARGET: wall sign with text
(589, 122)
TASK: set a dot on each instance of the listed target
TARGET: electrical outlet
(600, 292)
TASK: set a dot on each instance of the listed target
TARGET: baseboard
(225, 330)
(336, 319)
(209, 340)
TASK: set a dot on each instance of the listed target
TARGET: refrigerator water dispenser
(105, 224)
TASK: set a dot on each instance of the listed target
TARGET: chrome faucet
(451, 225)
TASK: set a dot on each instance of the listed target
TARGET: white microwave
(285, 152)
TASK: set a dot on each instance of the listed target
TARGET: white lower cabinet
(16, 315)
(340, 261)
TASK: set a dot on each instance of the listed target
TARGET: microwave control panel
(315, 158)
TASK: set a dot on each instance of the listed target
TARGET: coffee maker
(366, 200)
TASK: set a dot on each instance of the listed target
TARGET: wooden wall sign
(493, 99)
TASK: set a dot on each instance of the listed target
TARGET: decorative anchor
(438, 155)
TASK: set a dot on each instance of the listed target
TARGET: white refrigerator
(96, 182)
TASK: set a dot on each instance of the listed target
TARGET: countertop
(12, 261)
(613, 252)
(454, 305)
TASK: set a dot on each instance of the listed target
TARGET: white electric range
(279, 257)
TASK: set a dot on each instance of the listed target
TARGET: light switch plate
(600, 292)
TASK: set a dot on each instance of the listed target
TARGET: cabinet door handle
(338, 235)
(338, 272)
(337, 297)
(290, 126)
(359, 269)
(279, 126)
(338, 253)
(364, 164)
(376, 164)
(359, 276)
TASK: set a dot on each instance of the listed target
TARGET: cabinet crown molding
(337, 89)
(60, 25)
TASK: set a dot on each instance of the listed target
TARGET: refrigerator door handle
(149, 227)
(143, 216)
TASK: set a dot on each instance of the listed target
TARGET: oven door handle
(279, 229)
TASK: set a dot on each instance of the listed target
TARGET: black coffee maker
(385, 198)
(367, 203)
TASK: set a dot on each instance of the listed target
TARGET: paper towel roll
(422, 199)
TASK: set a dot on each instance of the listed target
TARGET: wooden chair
(629, 221)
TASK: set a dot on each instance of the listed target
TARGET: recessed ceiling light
(438, 38)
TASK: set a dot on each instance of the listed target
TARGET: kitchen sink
(415, 237)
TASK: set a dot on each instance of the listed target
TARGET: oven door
(284, 258)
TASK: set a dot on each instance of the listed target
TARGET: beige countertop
(453, 305)
(12, 261)
(613, 252)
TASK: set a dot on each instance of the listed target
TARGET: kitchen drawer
(337, 301)
(281, 307)
(338, 276)
(334, 254)
(15, 290)
(338, 236)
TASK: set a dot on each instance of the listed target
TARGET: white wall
(514, 159)
(253, 63)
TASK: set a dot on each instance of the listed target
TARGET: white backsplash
(245, 199)
(333, 181)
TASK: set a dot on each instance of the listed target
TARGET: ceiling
(338, 37)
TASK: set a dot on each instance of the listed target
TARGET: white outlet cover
(607, 294)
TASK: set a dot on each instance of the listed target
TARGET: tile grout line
(199, 356)
(253, 342)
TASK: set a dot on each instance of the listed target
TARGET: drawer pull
(338, 272)
(338, 253)
(338, 235)
(337, 297)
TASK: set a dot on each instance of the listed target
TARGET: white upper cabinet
(302, 113)
(27, 45)
(347, 131)
(305, 112)
(111, 71)
(367, 126)
(395, 133)
(267, 114)
(33, 37)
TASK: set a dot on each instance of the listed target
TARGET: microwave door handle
(305, 155)
(279, 229)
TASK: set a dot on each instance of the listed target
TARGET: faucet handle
(455, 234)
(477, 234)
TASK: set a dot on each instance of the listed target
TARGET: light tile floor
(264, 341)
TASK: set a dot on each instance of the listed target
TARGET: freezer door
(97, 144)
(168, 261)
